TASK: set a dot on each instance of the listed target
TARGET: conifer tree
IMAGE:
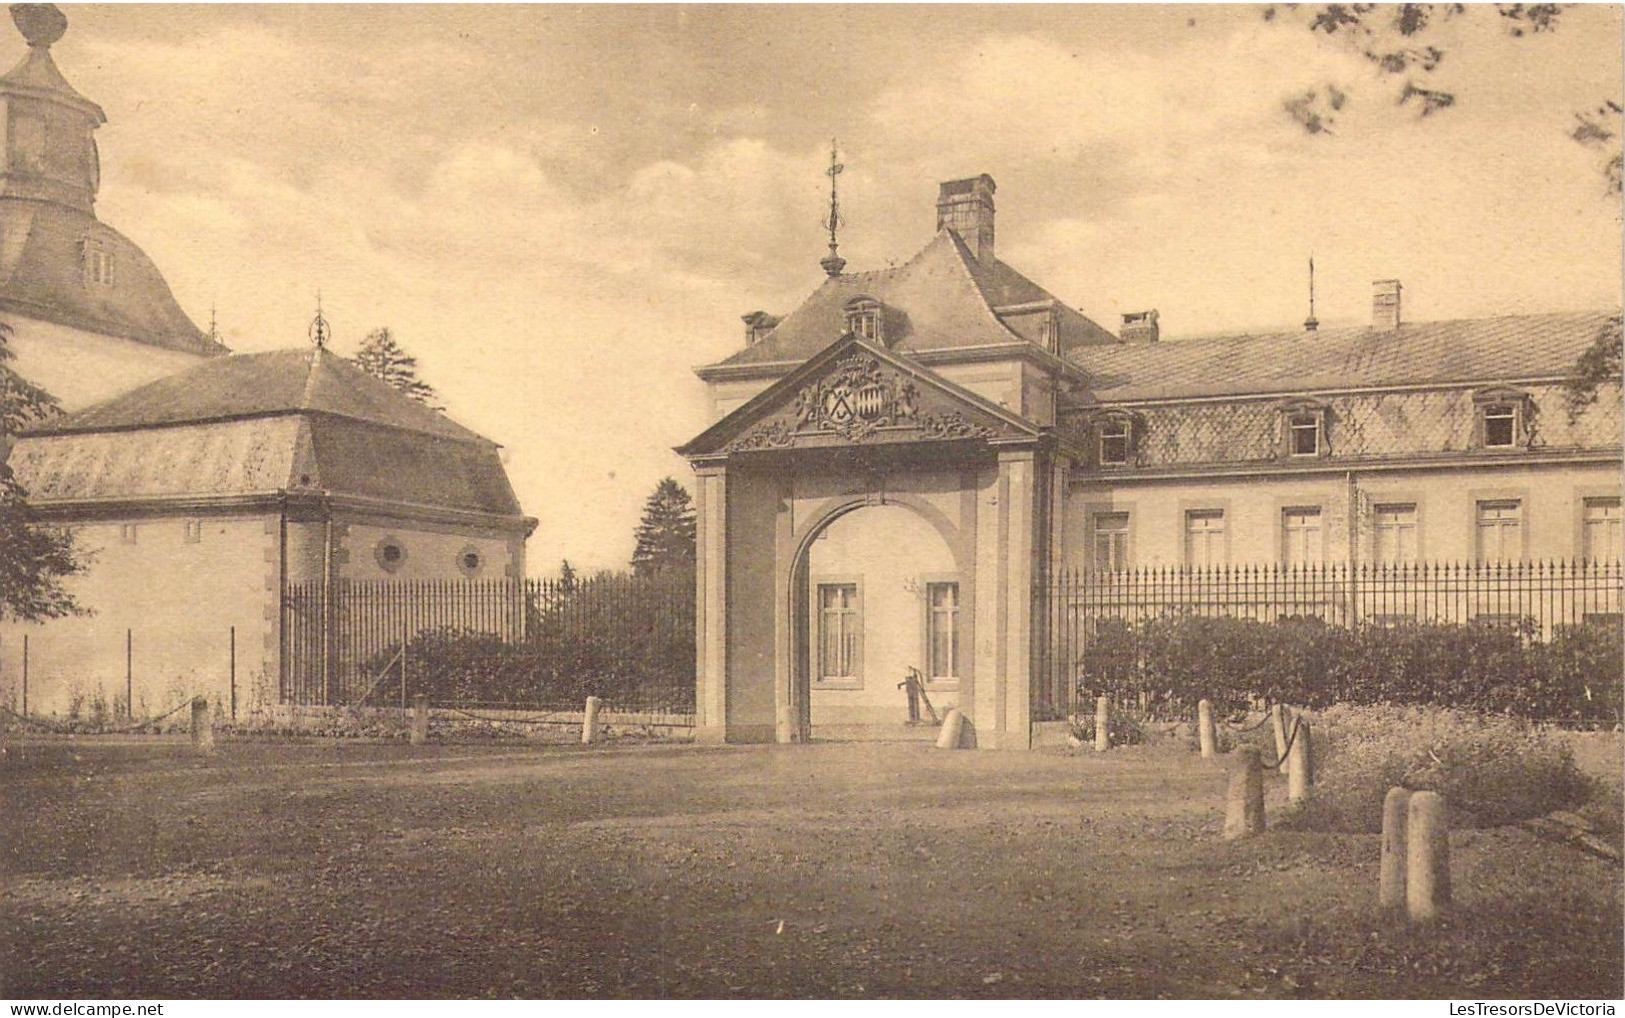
(383, 358)
(666, 532)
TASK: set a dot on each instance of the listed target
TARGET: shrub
(1491, 770)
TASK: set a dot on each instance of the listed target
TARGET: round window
(390, 553)
(469, 560)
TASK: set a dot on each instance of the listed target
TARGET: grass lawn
(334, 869)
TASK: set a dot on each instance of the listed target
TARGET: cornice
(1254, 469)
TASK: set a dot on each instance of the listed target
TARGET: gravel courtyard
(332, 869)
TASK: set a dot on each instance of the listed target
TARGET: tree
(666, 532)
(1402, 41)
(34, 558)
(1596, 367)
(383, 358)
(567, 576)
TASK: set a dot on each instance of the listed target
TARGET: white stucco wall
(80, 368)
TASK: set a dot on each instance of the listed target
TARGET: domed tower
(90, 313)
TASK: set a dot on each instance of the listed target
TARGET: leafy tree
(1402, 41)
(34, 558)
(666, 532)
(382, 357)
(1599, 365)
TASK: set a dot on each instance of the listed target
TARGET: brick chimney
(757, 325)
(1140, 327)
(1385, 305)
(966, 207)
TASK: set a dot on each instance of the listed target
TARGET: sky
(561, 210)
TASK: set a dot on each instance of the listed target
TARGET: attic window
(96, 262)
(1115, 434)
(1503, 418)
(863, 319)
(1302, 432)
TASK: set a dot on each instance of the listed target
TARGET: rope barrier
(1292, 736)
(69, 729)
(1248, 728)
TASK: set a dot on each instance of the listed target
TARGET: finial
(320, 331)
(1311, 323)
(834, 263)
(40, 24)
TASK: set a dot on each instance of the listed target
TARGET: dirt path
(826, 870)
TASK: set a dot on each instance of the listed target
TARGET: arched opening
(878, 593)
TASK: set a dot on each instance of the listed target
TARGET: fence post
(1300, 777)
(234, 673)
(953, 730)
(1244, 802)
(202, 726)
(25, 675)
(420, 720)
(1427, 857)
(1205, 735)
(589, 721)
(129, 681)
(1391, 879)
(403, 662)
(1103, 718)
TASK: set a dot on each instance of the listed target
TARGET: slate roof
(301, 419)
(943, 298)
(1465, 351)
(38, 74)
(42, 276)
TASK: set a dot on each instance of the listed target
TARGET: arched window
(1502, 418)
(1302, 429)
(864, 319)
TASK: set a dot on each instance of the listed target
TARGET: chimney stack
(757, 325)
(966, 207)
(1385, 305)
(1140, 327)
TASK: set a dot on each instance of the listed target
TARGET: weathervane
(320, 331)
(834, 263)
(1311, 323)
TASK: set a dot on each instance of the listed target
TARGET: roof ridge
(965, 259)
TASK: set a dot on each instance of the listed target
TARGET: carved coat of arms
(858, 397)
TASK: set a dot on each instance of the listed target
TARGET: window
(1303, 432)
(1204, 537)
(1601, 537)
(194, 531)
(469, 561)
(942, 632)
(1395, 532)
(1301, 536)
(390, 554)
(863, 319)
(97, 263)
(839, 634)
(1113, 442)
(1500, 425)
(126, 533)
(1503, 418)
(1500, 530)
(1111, 541)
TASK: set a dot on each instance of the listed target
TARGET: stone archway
(876, 586)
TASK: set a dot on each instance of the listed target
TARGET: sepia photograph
(615, 502)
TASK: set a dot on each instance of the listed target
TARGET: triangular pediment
(857, 393)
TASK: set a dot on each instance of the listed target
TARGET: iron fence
(519, 644)
(1095, 623)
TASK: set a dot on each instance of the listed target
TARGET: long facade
(900, 468)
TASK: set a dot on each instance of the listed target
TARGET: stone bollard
(953, 730)
(1103, 722)
(1205, 736)
(202, 726)
(420, 720)
(1300, 763)
(1279, 719)
(589, 722)
(1391, 878)
(1427, 857)
(1244, 802)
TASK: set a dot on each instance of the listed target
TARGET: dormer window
(1114, 439)
(1503, 418)
(1303, 429)
(864, 320)
(96, 262)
